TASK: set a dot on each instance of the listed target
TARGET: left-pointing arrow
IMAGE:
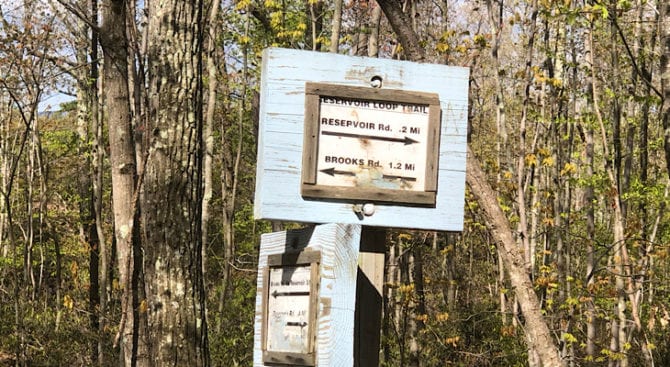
(332, 171)
(280, 294)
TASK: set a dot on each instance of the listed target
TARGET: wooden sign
(307, 325)
(344, 170)
(289, 308)
(370, 144)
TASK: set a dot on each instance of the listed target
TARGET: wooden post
(369, 301)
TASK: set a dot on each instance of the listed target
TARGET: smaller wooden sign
(370, 145)
(290, 298)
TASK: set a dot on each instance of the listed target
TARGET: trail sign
(289, 306)
(370, 144)
(359, 166)
(289, 302)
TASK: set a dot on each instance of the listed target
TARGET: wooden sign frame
(370, 193)
(309, 259)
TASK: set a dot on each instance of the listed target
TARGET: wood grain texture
(338, 245)
(282, 109)
(369, 301)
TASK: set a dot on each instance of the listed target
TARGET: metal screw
(376, 81)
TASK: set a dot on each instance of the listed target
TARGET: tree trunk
(495, 23)
(87, 214)
(591, 263)
(96, 174)
(208, 137)
(314, 15)
(122, 160)
(336, 25)
(664, 22)
(373, 39)
(538, 334)
(419, 300)
(524, 235)
(389, 315)
(87, 97)
(172, 189)
(402, 26)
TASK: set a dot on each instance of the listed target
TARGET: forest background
(126, 214)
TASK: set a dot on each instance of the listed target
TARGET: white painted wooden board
(339, 247)
(282, 106)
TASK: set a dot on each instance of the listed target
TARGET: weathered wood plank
(322, 213)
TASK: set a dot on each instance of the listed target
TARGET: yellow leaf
(143, 306)
(404, 236)
(549, 222)
(569, 338)
(242, 4)
(531, 159)
(68, 302)
(568, 169)
(271, 3)
(453, 340)
(407, 288)
(548, 161)
(480, 40)
(442, 317)
(74, 269)
(442, 47)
